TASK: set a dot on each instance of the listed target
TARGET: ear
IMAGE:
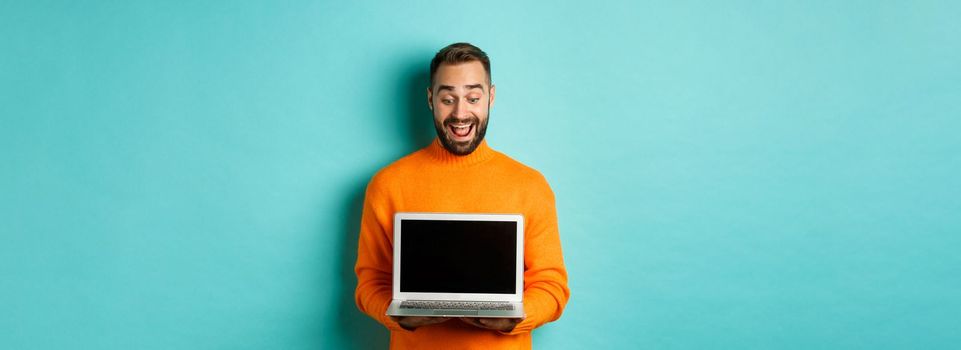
(493, 94)
(430, 98)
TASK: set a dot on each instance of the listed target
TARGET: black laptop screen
(458, 256)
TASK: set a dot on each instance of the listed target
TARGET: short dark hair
(459, 53)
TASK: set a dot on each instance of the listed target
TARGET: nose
(460, 110)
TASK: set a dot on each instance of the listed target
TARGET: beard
(461, 148)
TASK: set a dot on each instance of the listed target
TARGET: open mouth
(461, 132)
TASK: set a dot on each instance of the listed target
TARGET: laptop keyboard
(456, 305)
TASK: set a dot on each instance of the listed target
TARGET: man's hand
(497, 324)
(412, 322)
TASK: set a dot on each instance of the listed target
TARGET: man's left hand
(497, 324)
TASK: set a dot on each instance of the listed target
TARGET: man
(459, 172)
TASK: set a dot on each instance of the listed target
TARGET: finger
(490, 323)
(430, 320)
(472, 322)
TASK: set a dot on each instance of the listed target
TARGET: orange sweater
(485, 181)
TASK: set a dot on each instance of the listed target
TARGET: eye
(473, 100)
(447, 101)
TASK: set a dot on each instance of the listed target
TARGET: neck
(482, 153)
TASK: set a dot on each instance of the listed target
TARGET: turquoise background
(736, 175)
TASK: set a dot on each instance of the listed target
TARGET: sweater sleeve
(545, 277)
(374, 266)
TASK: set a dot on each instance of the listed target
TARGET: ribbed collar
(482, 153)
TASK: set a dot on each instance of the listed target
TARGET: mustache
(452, 120)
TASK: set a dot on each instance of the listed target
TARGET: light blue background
(736, 175)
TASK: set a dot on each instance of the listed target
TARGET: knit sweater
(485, 181)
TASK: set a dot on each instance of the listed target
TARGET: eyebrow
(468, 87)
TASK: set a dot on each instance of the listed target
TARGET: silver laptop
(457, 265)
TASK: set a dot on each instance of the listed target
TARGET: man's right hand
(412, 322)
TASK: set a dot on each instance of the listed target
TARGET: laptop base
(395, 310)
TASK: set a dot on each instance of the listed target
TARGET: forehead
(460, 74)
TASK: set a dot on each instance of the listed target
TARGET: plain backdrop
(729, 175)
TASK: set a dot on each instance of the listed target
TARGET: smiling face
(460, 98)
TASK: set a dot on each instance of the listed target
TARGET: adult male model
(458, 172)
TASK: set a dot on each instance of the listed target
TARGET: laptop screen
(439, 256)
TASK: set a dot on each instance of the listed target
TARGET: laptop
(458, 265)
